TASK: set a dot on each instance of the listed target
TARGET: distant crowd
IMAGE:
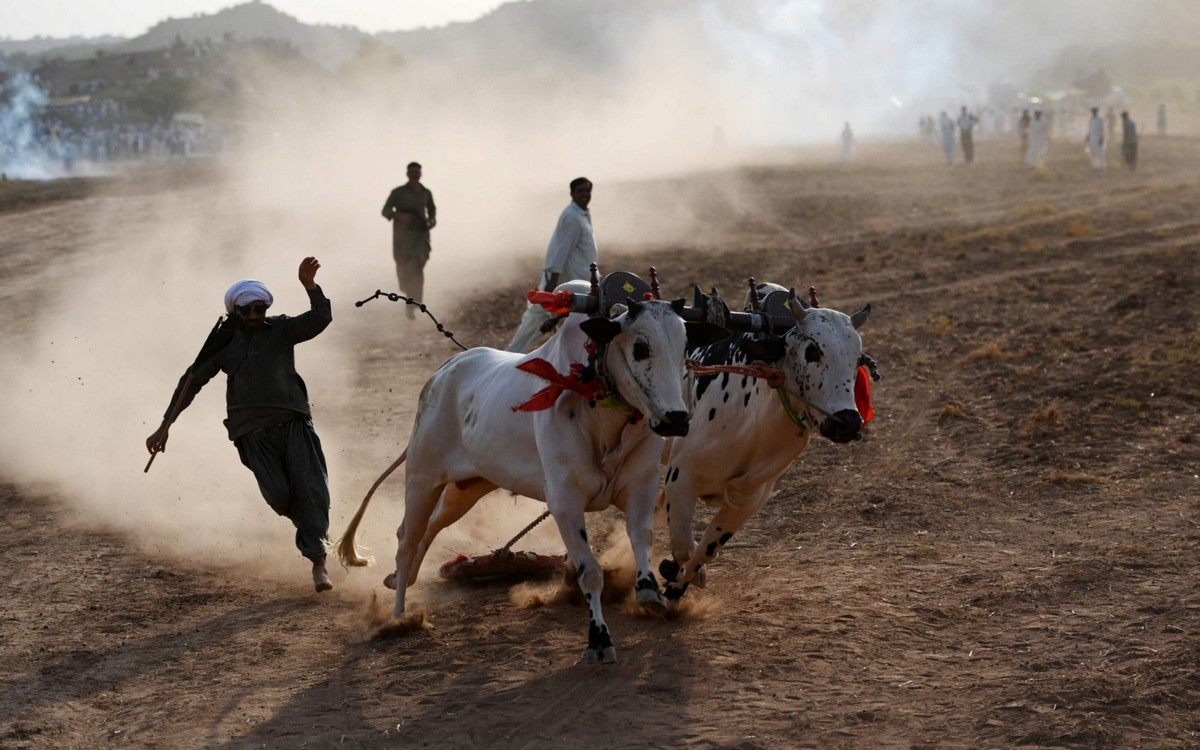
(62, 147)
(1034, 129)
(70, 139)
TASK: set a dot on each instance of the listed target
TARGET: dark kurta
(263, 387)
(270, 421)
(410, 241)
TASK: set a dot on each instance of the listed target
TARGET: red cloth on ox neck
(592, 390)
(862, 395)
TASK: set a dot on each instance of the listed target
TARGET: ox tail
(346, 549)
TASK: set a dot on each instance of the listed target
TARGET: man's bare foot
(321, 580)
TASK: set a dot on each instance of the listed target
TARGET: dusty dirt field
(1011, 560)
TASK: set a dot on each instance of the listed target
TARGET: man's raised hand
(308, 272)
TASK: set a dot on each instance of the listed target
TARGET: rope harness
(416, 303)
(775, 379)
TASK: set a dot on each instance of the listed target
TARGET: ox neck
(800, 419)
(612, 397)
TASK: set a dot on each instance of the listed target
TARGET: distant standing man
(1162, 119)
(1129, 141)
(1039, 140)
(1023, 132)
(269, 419)
(411, 210)
(966, 127)
(947, 127)
(847, 143)
(571, 252)
(1095, 140)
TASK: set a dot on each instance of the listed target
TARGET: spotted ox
(745, 433)
(578, 452)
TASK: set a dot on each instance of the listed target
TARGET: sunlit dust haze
(638, 89)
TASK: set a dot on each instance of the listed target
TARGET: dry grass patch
(1058, 476)
(950, 411)
(940, 323)
(924, 552)
(1032, 210)
(1130, 550)
(1184, 355)
(1127, 403)
(1044, 420)
(1033, 245)
(1080, 229)
(993, 350)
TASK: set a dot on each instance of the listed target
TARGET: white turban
(246, 291)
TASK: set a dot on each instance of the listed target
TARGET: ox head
(820, 357)
(645, 347)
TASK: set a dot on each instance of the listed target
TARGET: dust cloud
(120, 320)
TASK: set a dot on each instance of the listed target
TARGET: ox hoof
(675, 593)
(668, 569)
(390, 581)
(701, 577)
(651, 598)
(606, 655)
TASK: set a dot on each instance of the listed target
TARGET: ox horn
(860, 317)
(798, 306)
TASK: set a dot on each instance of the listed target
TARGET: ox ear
(860, 317)
(600, 330)
(771, 349)
(702, 334)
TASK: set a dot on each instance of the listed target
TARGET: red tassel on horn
(557, 303)
(862, 395)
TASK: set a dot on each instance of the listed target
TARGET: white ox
(576, 456)
(744, 434)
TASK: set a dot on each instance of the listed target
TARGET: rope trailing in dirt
(523, 532)
(419, 305)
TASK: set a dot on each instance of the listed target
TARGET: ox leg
(457, 499)
(639, 526)
(724, 524)
(419, 504)
(680, 504)
(591, 581)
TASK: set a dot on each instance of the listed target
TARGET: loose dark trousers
(968, 146)
(1129, 154)
(410, 250)
(290, 468)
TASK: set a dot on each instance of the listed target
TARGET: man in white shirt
(571, 252)
(1095, 140)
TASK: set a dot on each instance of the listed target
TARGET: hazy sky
(24, 19)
